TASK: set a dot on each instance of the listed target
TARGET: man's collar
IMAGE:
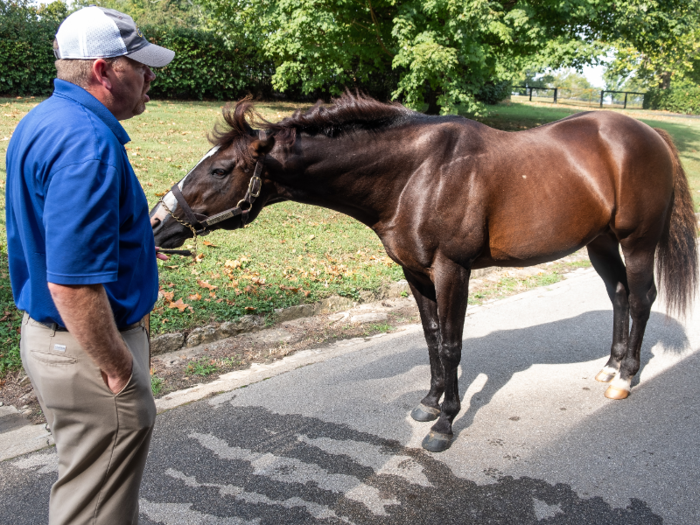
(78, 94)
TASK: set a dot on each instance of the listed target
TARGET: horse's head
(224, 190)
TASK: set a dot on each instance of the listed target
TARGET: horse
(447, 195)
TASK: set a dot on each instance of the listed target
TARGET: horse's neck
(351, 174)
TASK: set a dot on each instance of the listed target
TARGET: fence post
(530, 94)
(625, 105)
(555, 95)
(601, 98)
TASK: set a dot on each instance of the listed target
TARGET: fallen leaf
(199, 257)
(179, 305)
(160, 194)
(250, 309)
(210, 244)
(219, 300)
(206, 285)
(168, 296)
(212, 294)
(174, 267)
(312, 237)
(232, 264)
(195, 297)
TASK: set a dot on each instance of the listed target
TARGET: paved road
(332, 442)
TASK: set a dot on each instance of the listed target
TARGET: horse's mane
(349, 113)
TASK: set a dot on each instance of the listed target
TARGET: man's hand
(86, 313)
(116, 384)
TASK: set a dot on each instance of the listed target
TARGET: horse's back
(540, 194)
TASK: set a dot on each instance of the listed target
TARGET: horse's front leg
(452, 290)
(424, 293)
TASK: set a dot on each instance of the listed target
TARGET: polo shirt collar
(79, 95)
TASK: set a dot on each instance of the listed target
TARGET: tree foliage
(656, 41)
(442, 52)
(169, 13)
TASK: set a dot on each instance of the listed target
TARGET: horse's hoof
(606, 374)
(616, 393)
(436, 442)
(604, 377)
(423, 413)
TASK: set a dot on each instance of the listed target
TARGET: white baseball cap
(98, 32)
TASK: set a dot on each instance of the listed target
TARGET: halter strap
(200, 224)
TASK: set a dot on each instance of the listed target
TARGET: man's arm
(86, 312)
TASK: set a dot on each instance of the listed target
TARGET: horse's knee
(619, 298)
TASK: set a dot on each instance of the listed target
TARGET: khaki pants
(101, 438)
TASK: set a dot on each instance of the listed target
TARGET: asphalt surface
(536, 441)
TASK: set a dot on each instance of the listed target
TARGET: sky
(594, 74)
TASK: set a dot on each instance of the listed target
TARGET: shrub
(26, 53)
(205, 68)
(683, 97)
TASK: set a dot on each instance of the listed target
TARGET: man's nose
(150, 75)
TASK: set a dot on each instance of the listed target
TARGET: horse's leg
(424, 293)
(642, 293)
(452, 290)
(604, 253)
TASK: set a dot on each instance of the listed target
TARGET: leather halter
(200, 224)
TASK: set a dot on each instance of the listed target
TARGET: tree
(656, 41)
(441, 52)
(177, 13)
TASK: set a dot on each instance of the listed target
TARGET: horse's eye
(218, 173)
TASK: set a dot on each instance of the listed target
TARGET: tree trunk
(431, 96)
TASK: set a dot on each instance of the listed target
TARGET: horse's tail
(677, 258)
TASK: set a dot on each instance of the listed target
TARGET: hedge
(683, 98)
(203, 66)
(26, 53)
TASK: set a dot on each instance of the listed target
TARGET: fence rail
(586, 97)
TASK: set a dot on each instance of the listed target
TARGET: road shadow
(503, 353)
(261, 471)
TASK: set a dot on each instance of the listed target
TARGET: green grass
(156, 385)
(202, 367)
(291, 254)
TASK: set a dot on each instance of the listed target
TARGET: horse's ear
(262, 147)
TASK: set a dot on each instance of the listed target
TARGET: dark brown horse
(447, 195)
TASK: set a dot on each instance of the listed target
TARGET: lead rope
(184, 223)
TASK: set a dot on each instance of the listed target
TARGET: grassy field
(292, 253)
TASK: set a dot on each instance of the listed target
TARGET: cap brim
(152, 55)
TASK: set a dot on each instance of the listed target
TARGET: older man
(83, 265)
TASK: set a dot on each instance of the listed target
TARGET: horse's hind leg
(604, 253)
(424, 293)
(642, 294)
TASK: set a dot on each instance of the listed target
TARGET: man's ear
(262, 147)
(100, 68)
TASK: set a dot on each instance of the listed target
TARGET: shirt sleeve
(81, 221)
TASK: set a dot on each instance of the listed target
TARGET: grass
(157, 385)
(292, 254)
(202, 367)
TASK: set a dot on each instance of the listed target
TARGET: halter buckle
(251, 186)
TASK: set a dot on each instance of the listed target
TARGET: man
(83, 265)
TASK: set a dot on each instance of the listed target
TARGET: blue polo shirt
(76, 214)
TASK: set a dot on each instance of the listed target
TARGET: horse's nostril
(155, 221)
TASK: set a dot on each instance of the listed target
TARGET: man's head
(102, 51)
